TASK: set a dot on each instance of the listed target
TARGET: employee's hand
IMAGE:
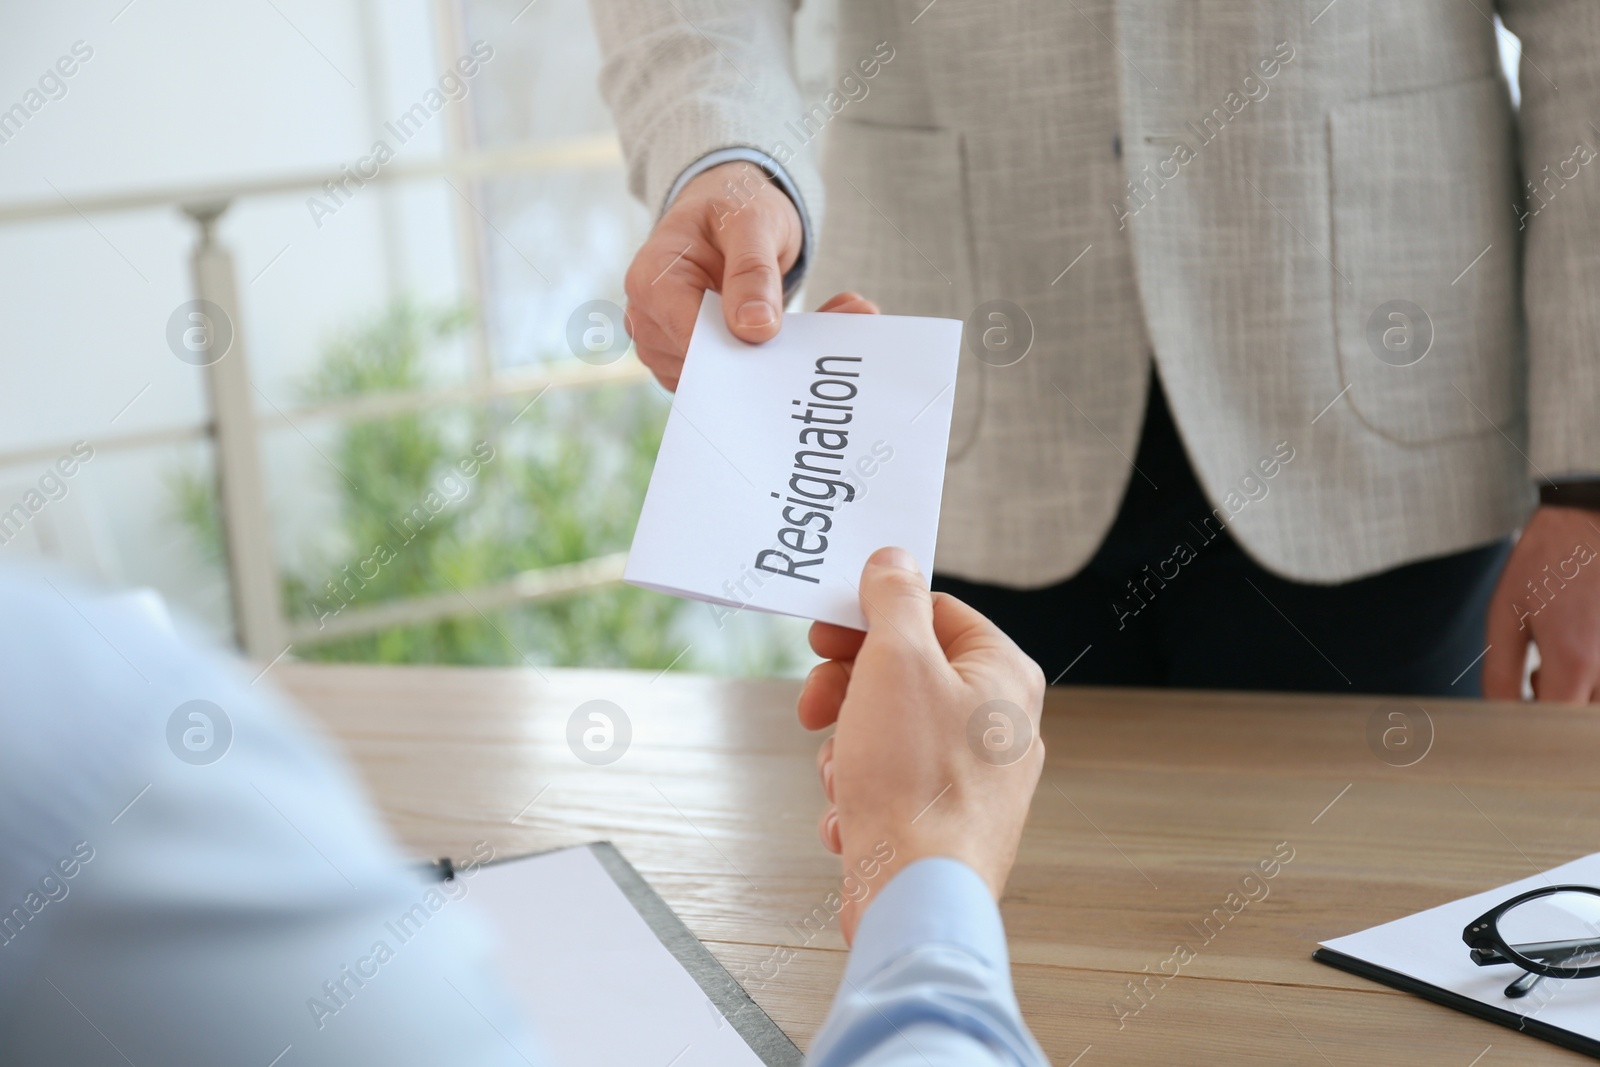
(731, 230)
(1559, 552)
(849, 303)
(902, 778)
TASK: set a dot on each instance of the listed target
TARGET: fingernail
(756, 313)
(827, 779)
(895, 557)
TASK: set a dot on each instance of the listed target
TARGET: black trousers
(1147, 612)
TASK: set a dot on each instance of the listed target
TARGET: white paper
(749, 433)
(594, 982)
(1428, 946)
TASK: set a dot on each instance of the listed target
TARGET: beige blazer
(1240, 189)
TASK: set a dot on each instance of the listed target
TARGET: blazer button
(1116, 144)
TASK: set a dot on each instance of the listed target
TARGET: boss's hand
(730, 230)
(1549, 593)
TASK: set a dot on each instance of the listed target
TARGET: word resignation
(809, 508)
(760, 498)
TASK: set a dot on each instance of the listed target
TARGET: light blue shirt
(155, 910)
(185, 890)
(929, 980)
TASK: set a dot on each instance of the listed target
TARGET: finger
(895, 599)
(825, 767)
(835, 642)
(655, 349)
(666, 282)
(850, 303)
(1565, 674)
(824, 753)
(1507, 633)
(752, 242)
(828, 830)
(823, 694)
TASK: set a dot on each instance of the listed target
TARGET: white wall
(179, 92)
(185, 92)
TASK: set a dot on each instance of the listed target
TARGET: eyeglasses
(1550, 933)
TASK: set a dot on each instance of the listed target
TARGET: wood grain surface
(1153, 808)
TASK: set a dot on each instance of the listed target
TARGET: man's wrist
(868, 871)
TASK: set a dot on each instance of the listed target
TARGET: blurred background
(330, 255)
(341, 258)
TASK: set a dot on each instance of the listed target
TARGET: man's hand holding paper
(728, 229)
(785, 465)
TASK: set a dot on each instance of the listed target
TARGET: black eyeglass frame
(1482, 936)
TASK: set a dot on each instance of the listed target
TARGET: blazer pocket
(1427, 299)
(895, 230)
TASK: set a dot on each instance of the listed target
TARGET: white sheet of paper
(785, 465)
(593, 980)
(1427, 946)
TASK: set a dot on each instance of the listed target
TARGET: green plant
(562, 483)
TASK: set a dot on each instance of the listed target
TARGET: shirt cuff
(779, 177)
(933, 901)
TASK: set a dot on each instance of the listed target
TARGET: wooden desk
(1152, 808)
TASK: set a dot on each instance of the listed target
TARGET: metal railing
(234, 425)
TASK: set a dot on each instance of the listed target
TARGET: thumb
(894, 598)
(1508, 634)
(752, 241)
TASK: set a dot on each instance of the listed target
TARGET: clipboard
(769, 1044)
(1423, 954)
(1439, 995)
